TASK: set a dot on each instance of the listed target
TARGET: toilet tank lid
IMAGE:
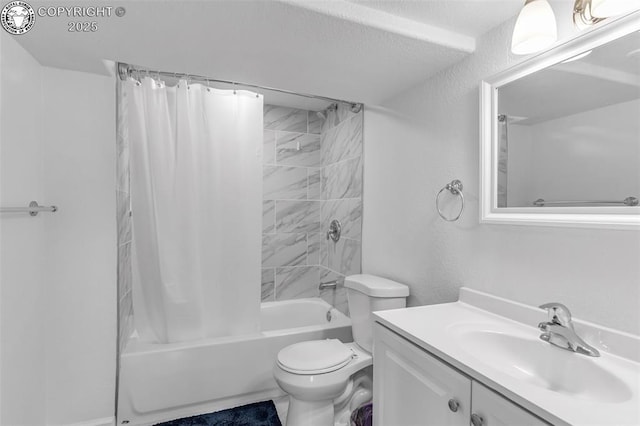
(374, 286)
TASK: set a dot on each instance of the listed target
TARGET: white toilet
(327, 379)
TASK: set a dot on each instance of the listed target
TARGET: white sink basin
(495, 341)
(539, 363)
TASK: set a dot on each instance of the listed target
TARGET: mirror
(561, 134)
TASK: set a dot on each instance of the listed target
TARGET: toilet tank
(369, 293)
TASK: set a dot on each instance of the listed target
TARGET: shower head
(321, 115)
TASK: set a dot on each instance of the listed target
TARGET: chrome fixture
(629, 201)
(33, 209)
(454, 187)
(559, 330)
(535, 28)
(582, 16)
(476, 420)
(590, 12)
(328, 284)
(335, 229)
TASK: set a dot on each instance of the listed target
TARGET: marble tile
(297, 282)
(268, 284)
(314, 243)
(342, 142)
(324, 251)
(282, 182)
(124, 273)
(348, 212)
(269, 147)
(123, 218)
(342, 180)
(314, 189)
(283, 118)
(268, 217)
(344, 113)
(314, 122)
(335, 297)
(297, 149)
(122, 167)
(125, 321)
(122, 142)
(297, 216)
(337, 116)
(330, 121)
(284, 250)
(344, 256)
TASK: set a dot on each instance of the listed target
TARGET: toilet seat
(315, 357)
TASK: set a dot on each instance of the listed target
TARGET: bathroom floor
(263, 413)
(282, 407)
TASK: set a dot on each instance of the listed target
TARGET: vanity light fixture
(535, 28)
(590, 12)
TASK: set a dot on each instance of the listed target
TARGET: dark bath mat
(258, 414)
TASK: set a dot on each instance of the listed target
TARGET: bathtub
(160, 382)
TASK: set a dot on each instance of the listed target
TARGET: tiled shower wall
(312, 174)
(341, 146)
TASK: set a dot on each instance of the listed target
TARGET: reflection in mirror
(569, 135)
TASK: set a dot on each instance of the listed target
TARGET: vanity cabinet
(412, 387)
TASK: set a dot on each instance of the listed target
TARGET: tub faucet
(559, 330)
(328, 284)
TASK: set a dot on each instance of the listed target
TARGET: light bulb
(535, 28)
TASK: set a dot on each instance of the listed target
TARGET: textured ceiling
(469, 17)
(356, 51)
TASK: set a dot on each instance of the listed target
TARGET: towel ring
(455, 187)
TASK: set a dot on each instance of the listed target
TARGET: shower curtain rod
(125, 70)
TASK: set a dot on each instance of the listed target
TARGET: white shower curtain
(196, 198)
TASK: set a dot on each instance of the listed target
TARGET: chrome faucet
(559, 330)
(333, 284)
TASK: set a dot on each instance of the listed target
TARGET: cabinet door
(492, 409)
(411, 387)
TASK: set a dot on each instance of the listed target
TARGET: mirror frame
(584, 217)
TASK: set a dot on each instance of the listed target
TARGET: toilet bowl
(327, 379)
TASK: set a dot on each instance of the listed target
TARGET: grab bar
(33, 209)
(629, 201)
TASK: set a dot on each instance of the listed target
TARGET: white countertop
(433, 328)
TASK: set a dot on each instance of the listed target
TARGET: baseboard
(104, 421)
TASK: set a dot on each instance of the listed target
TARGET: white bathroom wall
(424, 138)
(80, 314)
(22, 281)
(57, 270)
